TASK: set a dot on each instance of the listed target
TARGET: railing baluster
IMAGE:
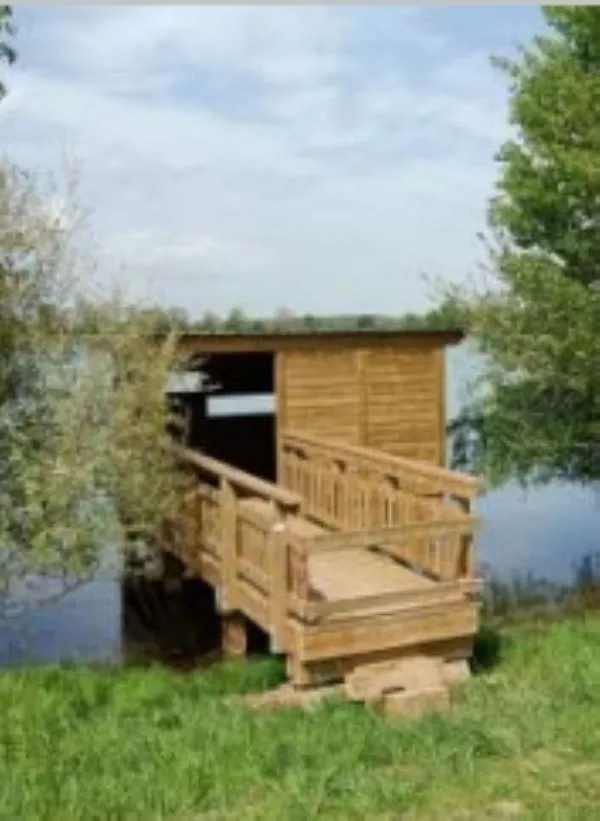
(354, 488)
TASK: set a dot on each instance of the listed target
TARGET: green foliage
(521, 741)
(32, 250)
(449, 314)
(92, 315)
(527, 598)
(7, 32)
(82, 415)
(535, 413)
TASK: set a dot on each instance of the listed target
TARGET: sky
(319, 158)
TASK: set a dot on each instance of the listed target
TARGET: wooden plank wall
(388, 397)
(318, 392)
(404, 393)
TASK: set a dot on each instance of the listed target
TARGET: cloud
(318, 157)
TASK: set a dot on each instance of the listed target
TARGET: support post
(234, 635)
(466, 569)
(228, 593)
(278, 565)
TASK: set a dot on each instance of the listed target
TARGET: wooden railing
(256, 560)
(237, 531)
(347, 487)
(434, 548)
(244, 484)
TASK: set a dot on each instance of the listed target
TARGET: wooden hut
(323, 511)
(377, 389)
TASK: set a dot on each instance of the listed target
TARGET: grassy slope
(83, 744)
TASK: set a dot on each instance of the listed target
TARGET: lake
(544, 532)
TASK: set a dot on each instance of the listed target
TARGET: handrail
(384, 536)
(287, 499)
(460, 484)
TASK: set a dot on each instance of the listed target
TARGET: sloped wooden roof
(206, 343)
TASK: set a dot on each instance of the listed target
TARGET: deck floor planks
(345, 574)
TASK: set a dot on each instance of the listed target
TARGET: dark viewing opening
(236, 422)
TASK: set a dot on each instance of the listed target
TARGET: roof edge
(273, 341)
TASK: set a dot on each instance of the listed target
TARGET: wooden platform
(347, 574)
(343, 570)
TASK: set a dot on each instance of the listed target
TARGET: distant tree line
(447, 315)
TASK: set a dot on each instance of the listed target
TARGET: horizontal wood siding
(389, 398)
(319, 393)
(403, 388)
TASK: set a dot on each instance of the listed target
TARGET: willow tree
(7, 31)
(534, 415)
(81, 418)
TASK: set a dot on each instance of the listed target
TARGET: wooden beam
(395, 602)
(280, 382)
(441, 365)
(363, 406)
(205, 344)
(371, 635)
(278, 563)
(228, 597)
(237, 478)
(384, 536)
(453, 481)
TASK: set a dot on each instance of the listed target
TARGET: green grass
(523, 741)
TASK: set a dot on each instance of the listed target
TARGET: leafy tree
(258, 326)
(535, 413)
(210, 322)
(161, 320)
(284, 320)
(81, 415)
(236, 321)
(7, 32)
(310, 322)
(365, 322)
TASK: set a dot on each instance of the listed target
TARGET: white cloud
(318, 157)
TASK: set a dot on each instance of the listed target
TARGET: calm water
(545, 531)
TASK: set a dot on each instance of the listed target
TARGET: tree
(162, 320)
(365, 322)
(284, 320)
(82, 415)
(210, 322)
(236, 321)
(310, 322)
(535, 413)
(7, 32)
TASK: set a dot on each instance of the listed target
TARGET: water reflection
(544, 531)
(84, 626)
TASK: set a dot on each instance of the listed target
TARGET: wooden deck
(357, 558)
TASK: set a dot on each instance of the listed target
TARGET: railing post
(228, 598)
(466, 568)
(278, 593)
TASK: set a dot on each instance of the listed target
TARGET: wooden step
(409, 686)
(371, 681)
(415, 703)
